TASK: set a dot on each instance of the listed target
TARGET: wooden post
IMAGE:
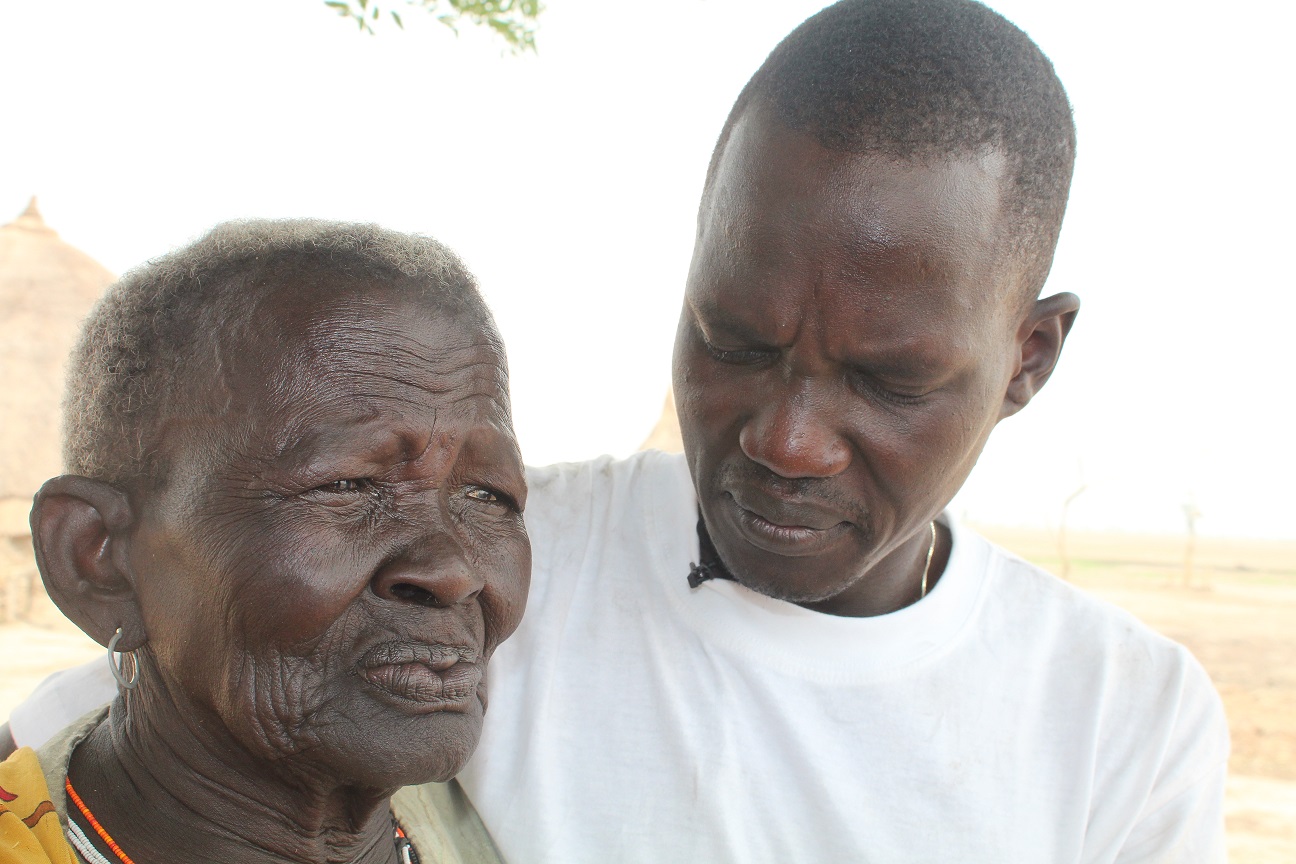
(1062, 551)
(1191, 513)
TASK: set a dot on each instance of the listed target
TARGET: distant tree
(514, 21)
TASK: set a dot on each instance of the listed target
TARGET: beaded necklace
(405, 852)
(81, 841)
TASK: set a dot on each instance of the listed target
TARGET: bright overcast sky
(569, 180)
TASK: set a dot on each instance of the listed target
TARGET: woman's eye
(343, 486)
(477, 493)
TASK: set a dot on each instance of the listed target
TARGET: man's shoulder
(1155, 721)
(598, 518)
(569, 497)
(1133, 672)
(443, 824)
(601, 474)
(1051, 608)
(60, 699)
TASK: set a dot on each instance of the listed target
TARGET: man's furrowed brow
(714, 318)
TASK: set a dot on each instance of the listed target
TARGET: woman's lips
(445, 677)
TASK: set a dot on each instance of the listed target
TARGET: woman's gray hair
(137, 346)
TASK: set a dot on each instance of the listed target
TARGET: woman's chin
(425, 748)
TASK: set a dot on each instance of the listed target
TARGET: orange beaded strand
(404, 849)
(94, 823)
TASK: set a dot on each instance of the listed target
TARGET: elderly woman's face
(339, 545)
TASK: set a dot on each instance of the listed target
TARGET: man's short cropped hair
(139, 349)
(915, 79)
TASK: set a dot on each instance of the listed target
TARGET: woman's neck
(169, 788)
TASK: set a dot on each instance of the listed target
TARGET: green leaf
(513, 21)
(449, 21)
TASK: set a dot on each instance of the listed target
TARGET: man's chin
(785, 587)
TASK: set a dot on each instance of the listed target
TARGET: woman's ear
(81, 532)
(1039, 338)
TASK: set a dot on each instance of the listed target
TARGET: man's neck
(891, 584)
(167, 791)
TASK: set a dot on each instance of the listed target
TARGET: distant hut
(46, 289)
(666, 434)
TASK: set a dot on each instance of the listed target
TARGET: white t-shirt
(1007, 717)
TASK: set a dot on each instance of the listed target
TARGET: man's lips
(438, 676)
(785, 527)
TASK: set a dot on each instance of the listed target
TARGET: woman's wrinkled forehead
(309, 364)
(299, 289)
(368, 342)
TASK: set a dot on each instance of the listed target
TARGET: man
(776, 648)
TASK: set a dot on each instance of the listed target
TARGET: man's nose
(434, 571)
(796, 434)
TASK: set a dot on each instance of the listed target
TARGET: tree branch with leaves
(514, 21)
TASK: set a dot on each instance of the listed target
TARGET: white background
(569, 181)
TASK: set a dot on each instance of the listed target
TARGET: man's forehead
(769, 170)
(784, 207)
(908, 250)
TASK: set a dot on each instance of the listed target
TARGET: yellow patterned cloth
(437, 817)
(30, 832)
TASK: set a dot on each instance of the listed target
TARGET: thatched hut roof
(46, 288)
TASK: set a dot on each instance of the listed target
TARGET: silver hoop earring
(118, 669)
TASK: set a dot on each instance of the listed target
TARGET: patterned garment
(29, 825)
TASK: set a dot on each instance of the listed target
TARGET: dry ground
(1237, 613)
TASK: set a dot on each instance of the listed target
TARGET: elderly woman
(293, 510)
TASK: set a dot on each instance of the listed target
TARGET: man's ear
(81, 533)
(1039, 340)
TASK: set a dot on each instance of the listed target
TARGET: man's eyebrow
(711, 316)
(907, 359)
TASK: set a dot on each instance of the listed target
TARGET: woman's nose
(433, 572)
(796, 435)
